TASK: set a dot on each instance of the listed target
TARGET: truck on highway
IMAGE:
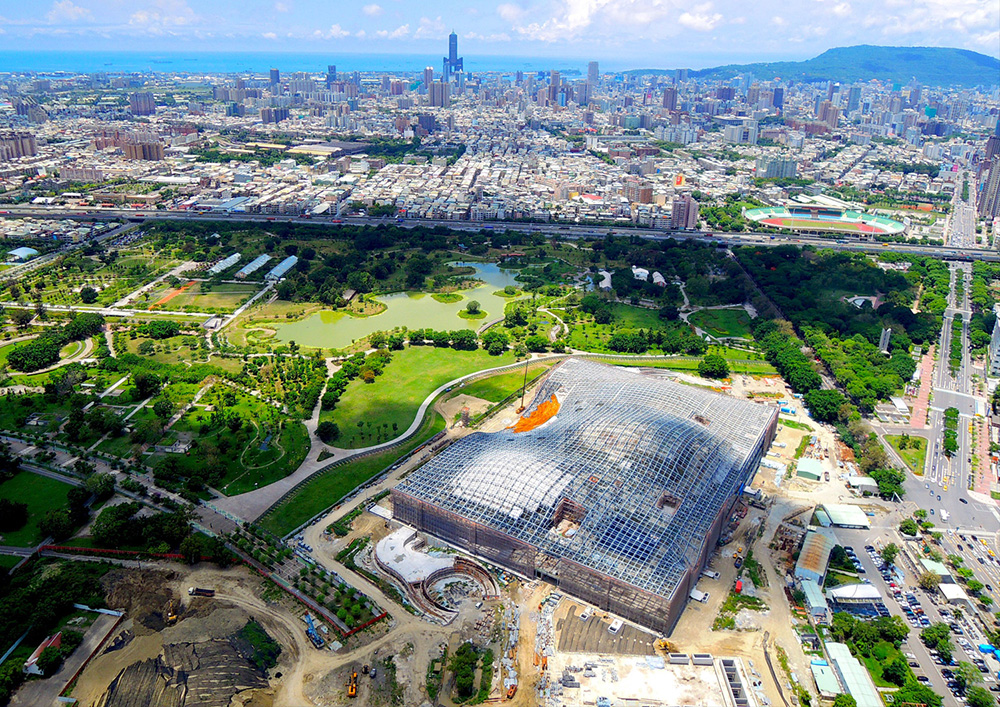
(199, 592)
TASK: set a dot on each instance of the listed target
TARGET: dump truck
(199, 592)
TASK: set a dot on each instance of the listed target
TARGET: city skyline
(657, 34)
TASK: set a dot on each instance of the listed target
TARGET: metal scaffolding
(617, 498)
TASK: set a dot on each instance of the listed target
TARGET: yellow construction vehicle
(170, 613)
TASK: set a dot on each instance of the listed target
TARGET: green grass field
(8, 561)
(723, 322)
(816, 225)
(913, 455)
(396, 395)
(496, 388)
(328, 487)
(42, 495)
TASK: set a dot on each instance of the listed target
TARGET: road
(568, 231)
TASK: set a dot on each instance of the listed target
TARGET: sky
(646, 33)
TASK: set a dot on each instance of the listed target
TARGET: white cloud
(360, 33)
(430, 29)
(701, 19)
(372, 10)
(335, 32)
(510, 12)
(282, 7)
(495, 37)
(738, 21)
(160, 14)
(399, 33)
(842, 9)
(67, 11)
(269, 35)
(779, 21)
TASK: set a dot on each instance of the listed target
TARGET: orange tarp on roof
(539, 416)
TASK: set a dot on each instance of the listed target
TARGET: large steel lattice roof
(626, 478)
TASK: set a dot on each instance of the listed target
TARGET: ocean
(88, 62)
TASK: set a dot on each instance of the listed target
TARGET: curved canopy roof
(626, 478)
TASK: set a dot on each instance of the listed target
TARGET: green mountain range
(929, 66)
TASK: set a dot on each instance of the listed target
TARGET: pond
(331, 329)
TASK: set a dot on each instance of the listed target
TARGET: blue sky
(641, 32)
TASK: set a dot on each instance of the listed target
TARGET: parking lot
(919, 609)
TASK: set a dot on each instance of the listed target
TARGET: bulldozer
(663, 647)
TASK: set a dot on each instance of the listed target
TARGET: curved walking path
(253, 504)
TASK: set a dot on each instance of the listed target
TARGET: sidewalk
(918, 419)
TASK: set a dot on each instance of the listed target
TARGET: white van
(616, 626)
(585, 615)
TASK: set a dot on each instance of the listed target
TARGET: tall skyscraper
(684, 213)
(331, 75)
(778, 100)
(989, 197)
(453, 62)
(670, 98)
(428, 77)
(854, 99)
(275, 77)
(593, 73)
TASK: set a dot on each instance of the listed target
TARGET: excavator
(663, 647)
(352, 684)
(170, 613)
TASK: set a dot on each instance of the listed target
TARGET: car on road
(923, 678)
(939, 497)
(962, 500)
(981, 560)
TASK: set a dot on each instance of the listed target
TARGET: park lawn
(5, 352)
(282, 458)
(882, 654)
(723, 322)
(71, 349)
(326, 488)
(121, 447)
(396, 395)
(631, 317)
(42, 495)
(498, 387)
(7, 562)
(913, 455)
(13, 416)
(221, 296)
(689, 363)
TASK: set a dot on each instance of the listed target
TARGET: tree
(191, 548)
(472, 307)
(146, 385)
(896, 671)
(88, 295)
(889, 553)
(929, 581)
(21, 318)
(537, 343)
(909, 527)
(975, 586)
(977, 696)
(57, 524)
(713, 366)
(101, 485)
(966, 675)
(825, 405)
(844, 700)
(328, 431)
(49, 660)
(163, 409)
(13, 515)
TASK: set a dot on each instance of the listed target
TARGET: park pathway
(918, 418)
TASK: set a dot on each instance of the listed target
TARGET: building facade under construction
(614, 486)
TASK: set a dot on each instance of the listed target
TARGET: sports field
(42, 495)
(821, 225)
(200, 296)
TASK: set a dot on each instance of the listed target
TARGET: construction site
(614, 487)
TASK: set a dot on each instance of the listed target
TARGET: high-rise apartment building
(854, 99)
(684, 213)
(778, 98)
(772, 168)
(440, 96)
(428, 77)
(142, 103)
(593, 73)
(149, 151)
(670, 98)
(275, 77)
(273, 115)
(989, 197)
(14, 144)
